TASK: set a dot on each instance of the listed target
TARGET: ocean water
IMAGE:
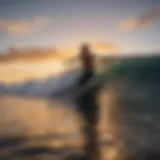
(129, 119)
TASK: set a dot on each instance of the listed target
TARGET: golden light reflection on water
(50, 126)
(39, 123)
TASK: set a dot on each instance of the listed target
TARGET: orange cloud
(105, 47)
(22, 27)
(28, 54)
(141, 22)
(36, 54)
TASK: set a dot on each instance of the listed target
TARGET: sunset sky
(120, 26)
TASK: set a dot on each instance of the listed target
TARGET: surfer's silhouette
(85, 98)
(86, 102)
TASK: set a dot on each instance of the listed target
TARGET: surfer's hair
(85, 46)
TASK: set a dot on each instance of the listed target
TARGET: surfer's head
(85, 48)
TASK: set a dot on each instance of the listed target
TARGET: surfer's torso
(87, 61)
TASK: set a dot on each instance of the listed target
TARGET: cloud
(20, 64)
(105, 47)
(28, 54)
(141, 22)
(35, 54)
(23, 27)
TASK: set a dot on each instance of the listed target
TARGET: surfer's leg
(94, 136)
(91, 135)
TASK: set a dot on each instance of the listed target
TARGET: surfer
(86, 102)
